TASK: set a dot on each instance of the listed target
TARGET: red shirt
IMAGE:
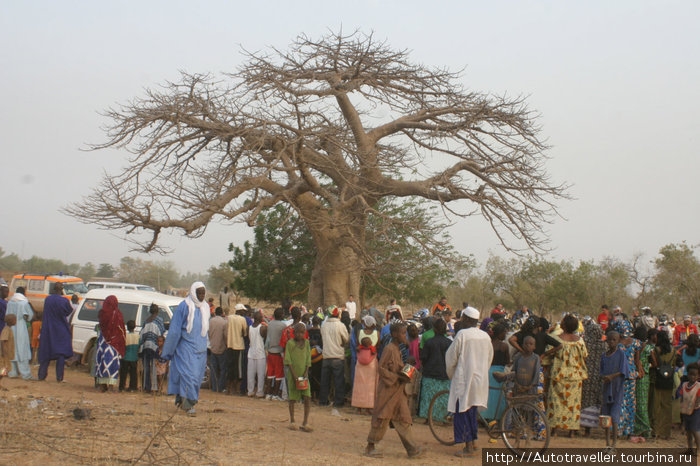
(288, 334)
(603, 320)
(681, 333)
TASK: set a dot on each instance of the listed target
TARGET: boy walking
(297, 358)
(614, 369)
(391, 403)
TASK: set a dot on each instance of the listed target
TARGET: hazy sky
(617, 85)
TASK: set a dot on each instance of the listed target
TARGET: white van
(118, 286)
(133, 304)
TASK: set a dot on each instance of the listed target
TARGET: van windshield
(70, 288)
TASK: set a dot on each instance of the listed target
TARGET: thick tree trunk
(316, 285)
(336, 275)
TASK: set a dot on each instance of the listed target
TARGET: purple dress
(612, 391)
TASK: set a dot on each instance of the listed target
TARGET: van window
(91, 308)
(17, 282)
(36, 286)
(94, 286)
(162, 313)
(74, 288)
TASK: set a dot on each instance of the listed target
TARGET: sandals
(306, 428)
(292, 426)
(373, 453)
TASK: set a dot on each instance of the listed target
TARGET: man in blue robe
(55, 338)
(186, 348)
(20, 307)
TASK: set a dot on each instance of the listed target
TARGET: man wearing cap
(236, 331)
(682, 331)
(648, 319)
(467, 362)
(335, 337)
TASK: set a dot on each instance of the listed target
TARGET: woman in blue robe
(186, 348)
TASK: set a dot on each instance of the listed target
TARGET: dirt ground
(38, 427)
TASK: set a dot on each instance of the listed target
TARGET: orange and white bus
(38, 286)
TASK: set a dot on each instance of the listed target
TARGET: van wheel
(91, 359)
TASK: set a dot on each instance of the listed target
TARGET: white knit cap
(471, 312)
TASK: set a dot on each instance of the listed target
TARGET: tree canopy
(280, 261)
(329, 128)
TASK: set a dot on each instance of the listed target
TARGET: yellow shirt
(236, 330)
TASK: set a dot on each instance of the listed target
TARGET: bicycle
(522, 426)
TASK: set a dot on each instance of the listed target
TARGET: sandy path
(38, 427)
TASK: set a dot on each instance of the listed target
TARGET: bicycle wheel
(439, 420)
(524, 428)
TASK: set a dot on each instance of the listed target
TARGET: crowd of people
(640, 372)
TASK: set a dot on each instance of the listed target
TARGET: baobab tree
(328, 128)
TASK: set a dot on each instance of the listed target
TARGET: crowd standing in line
(640, 371)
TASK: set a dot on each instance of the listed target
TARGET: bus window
(36, 286)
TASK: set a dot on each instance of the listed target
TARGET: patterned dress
(592, 386)
(629, 387)
(642, 424)
(568, 373)
(107, 362)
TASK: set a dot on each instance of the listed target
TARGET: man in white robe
(467, 362)
(20, 307)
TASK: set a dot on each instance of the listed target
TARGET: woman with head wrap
(631, 347)
(592, 386)
(364, 343)
(111, 343)
(591, 397)
(567, 376)
(642, 423)
(186, 348)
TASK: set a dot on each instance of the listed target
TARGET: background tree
(87, 271)
(105, 271)
(676, 283)
(36, 264)
(220, 276)
(329, 129)
(160, 275)
(279, 262)
(10, 262)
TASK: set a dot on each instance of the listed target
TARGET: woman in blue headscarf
(631, 347)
